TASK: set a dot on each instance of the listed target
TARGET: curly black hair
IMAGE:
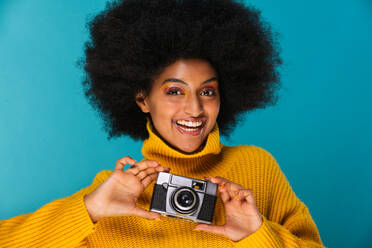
(132, 41)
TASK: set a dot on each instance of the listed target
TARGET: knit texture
(66, 222)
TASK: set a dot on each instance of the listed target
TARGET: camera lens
(185, 200)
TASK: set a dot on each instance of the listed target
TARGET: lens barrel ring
(180, 200)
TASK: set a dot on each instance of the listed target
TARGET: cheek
(212, 107)
(212, 103)
(173, 102)
(166, 107)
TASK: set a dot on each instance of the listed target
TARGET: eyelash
(169, 92)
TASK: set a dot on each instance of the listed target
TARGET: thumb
(145, 214)
(211, 228)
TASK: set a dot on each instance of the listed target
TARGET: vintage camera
(183, 197)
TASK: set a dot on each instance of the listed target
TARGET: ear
(142, 102)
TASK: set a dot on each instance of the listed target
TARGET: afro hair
(132, 41)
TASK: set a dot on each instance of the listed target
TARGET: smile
(190, 128)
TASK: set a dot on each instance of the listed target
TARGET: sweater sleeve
(61, 223)
(288, 222)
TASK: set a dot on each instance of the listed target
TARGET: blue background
(52, 142)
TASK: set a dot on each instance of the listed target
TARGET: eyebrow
(182, 82)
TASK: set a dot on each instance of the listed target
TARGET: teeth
(189, 123)
(189, 129)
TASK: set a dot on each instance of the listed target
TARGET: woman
(176, 74)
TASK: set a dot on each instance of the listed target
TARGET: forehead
(187, 70)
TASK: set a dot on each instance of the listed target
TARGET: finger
(151, 177)
(134, 170)
(123, 161)
(217, 180)
(225, 196)
(231, 185)
(211, 228)
(142, 165)
(247, 195)
(142, 174)
(147, 180)
(220, 183)
(231, 190)
(233, 194)
(145, 214)
(162, 168)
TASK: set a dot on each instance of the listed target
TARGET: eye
(209, 92)
(174, 91)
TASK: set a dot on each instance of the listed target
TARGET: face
(183, 103)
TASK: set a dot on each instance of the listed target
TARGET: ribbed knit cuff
(61, 223)
(82, 220)
(263, 237)
(74, 223)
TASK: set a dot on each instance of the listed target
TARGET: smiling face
(184, 103)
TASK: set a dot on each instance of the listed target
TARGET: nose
(194, 105)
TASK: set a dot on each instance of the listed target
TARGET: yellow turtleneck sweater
(66, 223)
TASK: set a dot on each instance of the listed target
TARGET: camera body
(183, 197)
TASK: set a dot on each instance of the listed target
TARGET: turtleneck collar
(204, 162)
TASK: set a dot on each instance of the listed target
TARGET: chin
(191, 149)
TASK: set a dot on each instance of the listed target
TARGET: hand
(242, 215)
(118, 194)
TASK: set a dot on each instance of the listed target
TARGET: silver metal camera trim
(172, 182)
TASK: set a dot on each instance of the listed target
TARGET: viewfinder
(197, 185)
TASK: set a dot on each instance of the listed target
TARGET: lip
(191, 119)
(196, 133)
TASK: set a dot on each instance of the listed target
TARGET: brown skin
(242, 215)
(118, 194)
(173, 101)
(166, 103)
